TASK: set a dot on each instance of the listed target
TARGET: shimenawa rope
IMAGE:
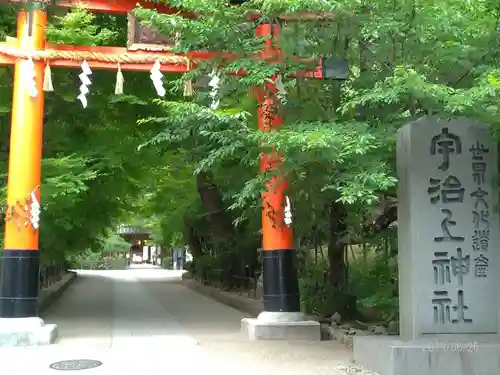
(125, 58)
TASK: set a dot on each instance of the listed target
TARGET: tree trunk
(195, 244)
(342, 303)
(214, 208)
(336, 248)
(221, 228)
(192, 240)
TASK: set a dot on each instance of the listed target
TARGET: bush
(166, 263)
(374, 282)
(317, 295)
(91, 260)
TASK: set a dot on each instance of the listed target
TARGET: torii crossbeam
(29, 52)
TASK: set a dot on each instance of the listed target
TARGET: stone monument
(449, 255)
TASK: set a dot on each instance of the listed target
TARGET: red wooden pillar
(19, 273)
(280, 276)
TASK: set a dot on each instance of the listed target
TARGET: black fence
(49, 274)
(218, 279)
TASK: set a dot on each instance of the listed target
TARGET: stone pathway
(144, 319)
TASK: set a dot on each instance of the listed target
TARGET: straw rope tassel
(47, 79)
(119, 81)
(188, 85)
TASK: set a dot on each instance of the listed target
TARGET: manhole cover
(75, 364)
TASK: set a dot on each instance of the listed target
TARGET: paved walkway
(145, 320)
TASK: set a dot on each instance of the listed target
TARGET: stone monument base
(388, 355)
(281, 326)
(26, 332)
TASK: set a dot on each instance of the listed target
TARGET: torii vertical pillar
(282, 318)
(20, 262)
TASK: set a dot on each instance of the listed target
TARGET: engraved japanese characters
(447, 172)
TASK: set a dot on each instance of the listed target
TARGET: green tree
(406, 59)
(91, 171)
(190, 171)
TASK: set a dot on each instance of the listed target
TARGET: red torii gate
(20, 262)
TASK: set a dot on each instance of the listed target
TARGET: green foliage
(126, 158)
(94, 261)
(79, 27)
(91, 174)
(316, 293)
(374, 282)
(115, 244)
(406, 59)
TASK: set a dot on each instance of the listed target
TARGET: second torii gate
(19, 286)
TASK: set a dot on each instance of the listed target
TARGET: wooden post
(280, 277)
(19, 273)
